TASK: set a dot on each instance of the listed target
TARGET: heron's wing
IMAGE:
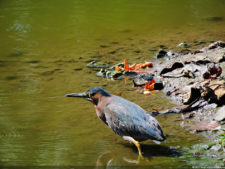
(128, 119)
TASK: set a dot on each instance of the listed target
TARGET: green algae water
(44, 49)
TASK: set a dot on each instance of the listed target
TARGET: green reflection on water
(44, 48)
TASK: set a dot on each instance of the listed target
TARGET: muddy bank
(195, 81)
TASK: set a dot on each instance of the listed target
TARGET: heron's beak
(82, 95)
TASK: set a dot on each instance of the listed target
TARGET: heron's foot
(140, 157)
(138, 145)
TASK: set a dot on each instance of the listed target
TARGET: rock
(161, 53)
(185, 51)
(142, 78)
(176, 65)
(97, 64)
(205, 125)
(171, 53)
(130, 73)
(101, 73)
(220, 114)
(146, 92)
(216, 147)
(114, 75)
(223, 68)
(214, 45)
(199, 42)
(193, 95)
(183, 45)
(219, 89)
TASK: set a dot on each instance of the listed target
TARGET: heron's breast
(100, 114)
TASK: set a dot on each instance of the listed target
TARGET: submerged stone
(114, 75)
(97, 64)
(183, 45)
(101, 73)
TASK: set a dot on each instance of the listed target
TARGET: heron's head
(93, 94)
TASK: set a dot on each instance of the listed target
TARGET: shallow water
(44, 49)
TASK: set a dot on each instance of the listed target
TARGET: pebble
(220, 115)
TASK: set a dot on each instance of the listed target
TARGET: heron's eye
(91, 94)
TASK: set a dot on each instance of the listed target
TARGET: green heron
(125, 118)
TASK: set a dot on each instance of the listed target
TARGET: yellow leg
(138, 145)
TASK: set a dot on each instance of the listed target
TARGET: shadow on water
(109, 159)
(151, 151)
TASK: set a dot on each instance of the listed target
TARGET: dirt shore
(196, 83)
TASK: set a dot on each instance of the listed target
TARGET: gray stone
(97, 64)
(216, 147)
(183, 45)
(220, 115)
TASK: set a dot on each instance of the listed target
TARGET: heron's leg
(136, 143)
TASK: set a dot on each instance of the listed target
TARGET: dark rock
(162, 53)
(194, 95)
(176, 65)
(130, 73)
(158, 86)
(217, 44)
(214, 45)
(114, 75)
